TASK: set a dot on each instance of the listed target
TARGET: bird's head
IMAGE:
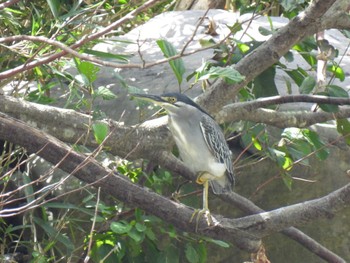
(172, 102)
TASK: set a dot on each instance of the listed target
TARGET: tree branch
(305, 24)
(88, 170)
(70, 126)
(70, 51)
(79, 43)
(250, 208)
(340, 10)
(244, 232)
(252, 111)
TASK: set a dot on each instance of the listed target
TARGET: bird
(201, 144)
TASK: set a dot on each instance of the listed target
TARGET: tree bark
(245, 232)
(305, 24)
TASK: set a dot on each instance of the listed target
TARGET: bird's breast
(193, 149)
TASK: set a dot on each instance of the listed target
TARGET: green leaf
(328, 107)
(346, 33)
(105, 93)
(218, 242)
(170, 255)
(298, 75)
(87, 69)
(283, 161)
(287, 180)
(333, 91)
(101, 250)
(53, 233)
(228, 74)
(336, 91)
(140, 227)
(18, 12)
(289, 86)
(264, 31)
(107, 55)
(264, 84)
(150, 234)
(306, 48)
(312, 137)
(289, 56)
(343, 127)
(54, 7)
(202, 252)
(136, 235)
(207, 42)
(176, 65)
(236, 27)
(256, 143)
(191, 254)
(100, 131)
(307, 85)
(120, 227)
(243, 47)
(298, 150)
(82, 79)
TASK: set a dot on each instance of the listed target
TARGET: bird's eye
(172, 100)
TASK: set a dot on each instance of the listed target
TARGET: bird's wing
(216, 142)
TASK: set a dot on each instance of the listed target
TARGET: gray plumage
(200, 140)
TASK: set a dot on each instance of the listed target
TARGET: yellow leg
(205, 203)
(205, 210)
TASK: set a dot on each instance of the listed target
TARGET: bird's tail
(221, 185)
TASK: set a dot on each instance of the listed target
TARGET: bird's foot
(202, 177)
(198, 213)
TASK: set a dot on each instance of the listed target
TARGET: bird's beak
(152, 98)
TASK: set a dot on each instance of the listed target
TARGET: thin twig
(87, 258)
(87, 38)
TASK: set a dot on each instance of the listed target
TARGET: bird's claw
(198, 213)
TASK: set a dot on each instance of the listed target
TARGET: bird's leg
(201, 179)
(205, 208)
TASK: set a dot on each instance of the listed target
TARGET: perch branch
(245, 232)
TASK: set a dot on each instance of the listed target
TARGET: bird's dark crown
(174, 97)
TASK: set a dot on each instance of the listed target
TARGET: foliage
(177, 65)
(122, 233)
(296, 145)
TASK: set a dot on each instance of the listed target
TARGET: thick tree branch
(264, 102)
(88, 170)
(282, 119)
(70, 126)
(340, 10)
(301, 213)
(305, 24)
(250, 208)
(252, 111)
(152, 138)
(244, 232)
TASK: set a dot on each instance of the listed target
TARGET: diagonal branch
(305, 24)
(244, 232)
(250, 208)
(115, 184)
